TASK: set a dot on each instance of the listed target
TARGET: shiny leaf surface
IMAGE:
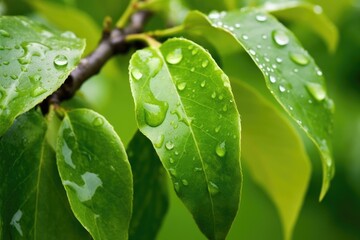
(96, 174)
(33, 202)
(184, 105)
(291, 75)
(274, 153)
(34, 62)
(151, 201)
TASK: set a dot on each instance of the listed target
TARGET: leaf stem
(167, 32)
(143, 37)
(131, 8)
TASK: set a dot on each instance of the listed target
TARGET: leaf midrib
(159, 53)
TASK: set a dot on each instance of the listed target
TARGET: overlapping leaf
(290, 73)
(184, 105)
(96, 174)
(34, 62)
(150, 202)
(274, 153)
(33, 203)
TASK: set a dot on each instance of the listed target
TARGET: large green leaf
(184, 105)
(309, 14)
(290, 73)
(96, 174)
(33, 202)
(34, 62)
(274, 153)
(150, 202)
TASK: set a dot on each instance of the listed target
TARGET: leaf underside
(184, 105)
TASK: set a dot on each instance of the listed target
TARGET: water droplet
(220, 149)
(15, 221)
(68, 34)
(316, 90)
(86, 191)
(217, 129)
(177, 187)
(221, 97)
(205, 63)
(155, 113)
(173, 172)
(264, 36)
(35, 78)
(14, 77)
(98, 122)
(38, 91)
(214, 15)
(213, 188)
(192, 69)
(198, 169)
(203, 83)
(299, 58)
(272, 79)
(175, 56)
(318, 9)
(169, 145)
(213, 95)
(136, 73)
(282, 88)
(171, 160)
(329, 104)
(319, 72)
(245, 37)
(159, 141)
(278, 60)
(261, 18)
(181, 86)
(225, 108)
(237, 25)
(6, 63)
(185, 182)
(4, 33)
(32, 49)
(280, 37)
(252, 52)
(60, 61)
(194, 51)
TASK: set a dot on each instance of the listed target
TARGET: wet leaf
(151, 201)
(96, 174)
(290, 73)
(34, 62)
(274, 153)
(33, 202)
(184, 105)
(310, 15)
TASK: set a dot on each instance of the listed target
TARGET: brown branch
(112, 43)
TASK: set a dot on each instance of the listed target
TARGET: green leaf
(34, 62)
(96, 174)
(33, 202)
(274, 153)
(310, 15)
(207, 6)
(68, 18)
(150, 202)
(290, 73)
(184, 105)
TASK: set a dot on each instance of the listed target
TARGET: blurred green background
(338, 215)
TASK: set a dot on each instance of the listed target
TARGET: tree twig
(112, 43)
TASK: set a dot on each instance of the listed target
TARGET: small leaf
(33, 202)
(184, 105)
(150, 202)
(274, 153)
(96, 174)
(34, 62)
(290, 73)
(310, 15)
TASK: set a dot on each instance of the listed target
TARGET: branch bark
(112, 43)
